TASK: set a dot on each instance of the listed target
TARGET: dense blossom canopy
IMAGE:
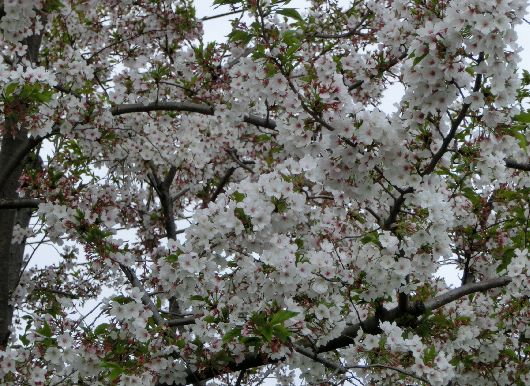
(227, 211)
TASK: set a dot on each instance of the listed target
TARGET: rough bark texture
(15, 145)
(11, 255)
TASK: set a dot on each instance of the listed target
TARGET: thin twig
(397, 369)
(455, 124)
(206, 18)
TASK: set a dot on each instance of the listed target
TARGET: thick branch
(162, 106)
(19, 203)
(180, 322)
(370, 326)
(17, 158)
(14, 148)
(467, 289)
(397, 369)
(517, 165)
(185, 107)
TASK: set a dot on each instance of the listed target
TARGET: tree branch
(397, 369)
(162, 106)
(454, 125)
(220, 187)
(206, 18)
(240, 377)
(57, 292)
(369, 325)
(391, 63)
(146, 300)
(467, 289)
(19, 203)
(180, 322)
(351, 32)
(17, 158)
(311, 355)
(517, 165)
(394, 210)
(190, 107)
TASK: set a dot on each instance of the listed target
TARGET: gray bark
(15, 146)
(11, 255)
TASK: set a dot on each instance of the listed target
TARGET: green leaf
(259, 319)
(173, 258)
(292, 39)
(238, 196)
(282, 316)
(45, 330)
(181, 343)
(43, 96)
(429, 354)
(122, 299)
(209, 319)
(506, 259)
(281, 332)
(262, 138)
(52, 5)
(116, 370)
(245, 220)
(371, 237)
(258, 52)
(521, 138)
(240, 36)
(523, 117)
(526, 78)
(472, 196)
(24, 339)
(232, 334)
(10, 89)
(101, 329)
(280, 205)
(290, 12)
(266, 332)
(250, 340)
(418, 59)
(510, 353)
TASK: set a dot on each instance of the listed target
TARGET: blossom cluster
(222, 205)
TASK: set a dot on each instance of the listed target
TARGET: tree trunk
(11, 255)
(15, 146)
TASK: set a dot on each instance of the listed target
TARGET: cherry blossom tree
(222, 212)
